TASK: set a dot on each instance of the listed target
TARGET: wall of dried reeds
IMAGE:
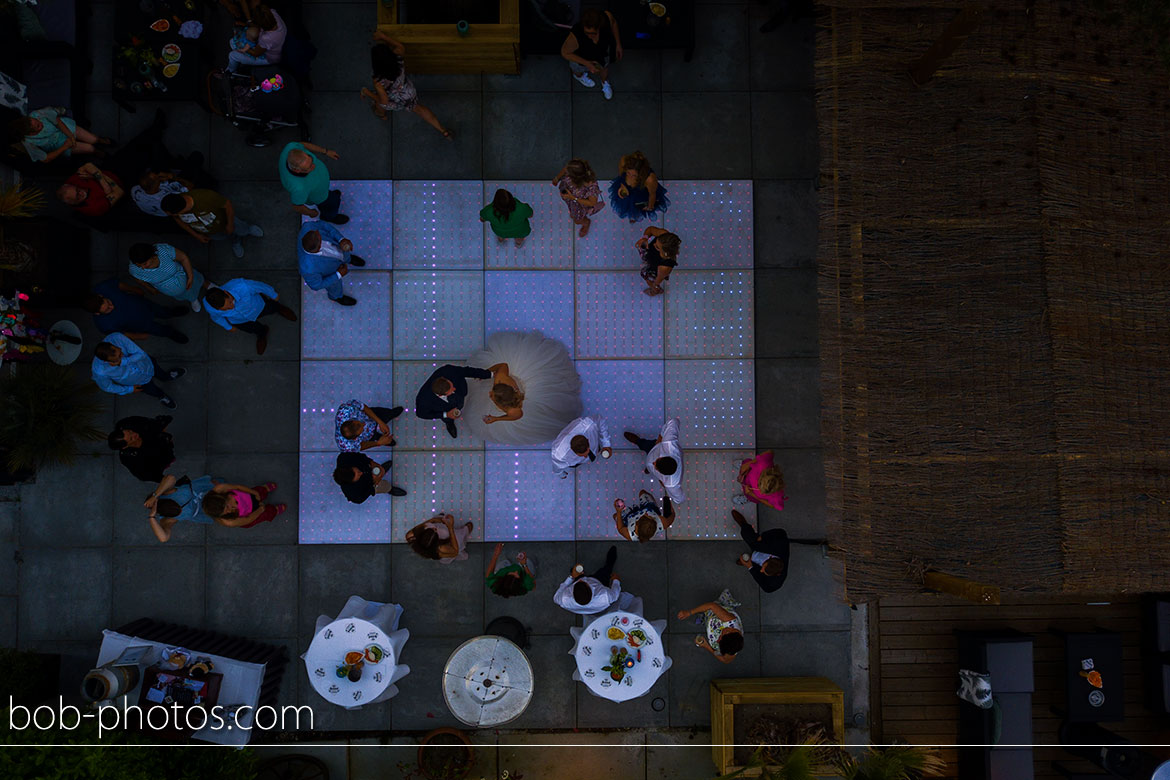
(995, 280)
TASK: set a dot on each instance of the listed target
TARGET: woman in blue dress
(178, 499)
(48, 134)
(636, 194)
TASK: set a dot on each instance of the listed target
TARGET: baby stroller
(241, 98)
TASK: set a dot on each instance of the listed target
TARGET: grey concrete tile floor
(742, 109)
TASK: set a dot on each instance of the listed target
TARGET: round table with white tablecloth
(327, 653)
(641, 666)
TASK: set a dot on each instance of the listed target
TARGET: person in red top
(91, 191)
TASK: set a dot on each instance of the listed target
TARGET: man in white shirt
(578, 442)
(663, 458)
(588, 595)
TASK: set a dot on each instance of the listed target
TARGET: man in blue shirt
(306, 179)
(118, 307)
(324, 257)
(238, 305)
(122, 368)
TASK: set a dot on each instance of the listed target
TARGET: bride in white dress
(534, 392)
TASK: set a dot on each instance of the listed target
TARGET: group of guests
(635, 194)
(147, 449)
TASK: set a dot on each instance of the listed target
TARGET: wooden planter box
(728, 696)
(438, 48)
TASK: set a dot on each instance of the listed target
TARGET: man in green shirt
(208, 216)
(305, 177)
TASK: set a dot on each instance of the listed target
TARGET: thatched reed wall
(995, 299)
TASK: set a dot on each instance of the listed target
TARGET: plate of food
(170, 71)
(615, 633)
(162, 25)
(636, 637)
(171, 52)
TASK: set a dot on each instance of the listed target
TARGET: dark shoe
(397, 410)
(632, 438)
(288, 313)
(355, 260)
(387, 465)
(739, 519)
(397, 491)
(611, 556)
(340, 219)
(168, 402)
(262, 342)
(175, 373)
(451, 428)
(345, 300)
(179, 338)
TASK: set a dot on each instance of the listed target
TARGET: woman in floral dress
(723, 628)
(579, 190)
(393, 91)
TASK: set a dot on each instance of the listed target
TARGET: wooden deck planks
(913, 649)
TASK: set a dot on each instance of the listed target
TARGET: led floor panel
(326, 384)
(530, 300)
(440, 314)
(369, 205)
(335, 332)
(642, 360)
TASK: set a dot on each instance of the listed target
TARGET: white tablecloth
(327, 652)
(594, 648)
(241, 684)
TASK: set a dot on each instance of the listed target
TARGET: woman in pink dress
(439, 539)
(762, 482)
(579, 190)
(236, 506)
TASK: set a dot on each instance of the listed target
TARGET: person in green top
(508, 217)
(306, 179)
(511, 579)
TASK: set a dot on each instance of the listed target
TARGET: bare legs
(432, 120)
(584, 223)
(370, 95)
(86, 142)
(424, 112)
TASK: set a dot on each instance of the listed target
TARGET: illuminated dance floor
(437, 283)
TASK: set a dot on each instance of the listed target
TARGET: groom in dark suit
(443, 394)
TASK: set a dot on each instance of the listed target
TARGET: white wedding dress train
(547, 377)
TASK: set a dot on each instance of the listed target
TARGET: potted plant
(897, 762)
(48, 411)
(443, 754)
(17, 202)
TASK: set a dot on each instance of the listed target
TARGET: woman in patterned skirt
(579, 190)
(393, 91)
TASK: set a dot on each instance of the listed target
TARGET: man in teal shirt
(307, 180)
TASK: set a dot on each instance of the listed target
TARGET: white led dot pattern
(642, 360)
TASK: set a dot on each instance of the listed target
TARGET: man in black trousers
(443, 394)
(360, 477)
(768, 561)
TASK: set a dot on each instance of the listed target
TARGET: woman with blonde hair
(762, 481)
(579, 190)
(636, 194)
(534, 391)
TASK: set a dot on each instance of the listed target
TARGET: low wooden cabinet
(439, 48)
(774, 694)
